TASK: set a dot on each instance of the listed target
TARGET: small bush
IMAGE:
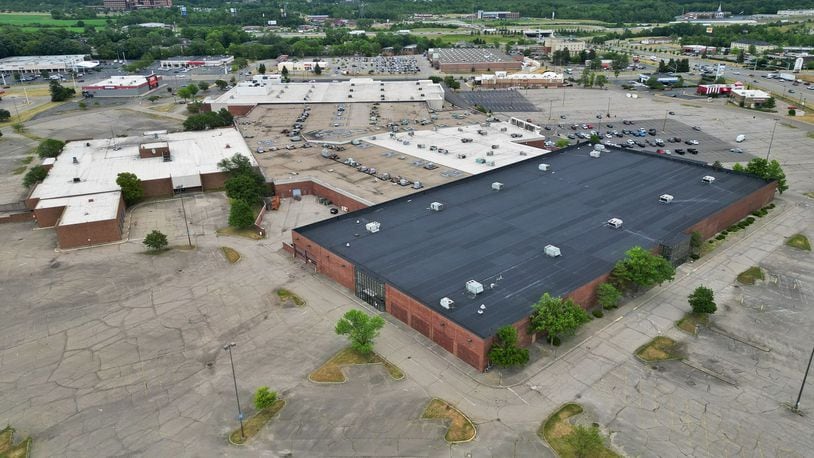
(724, 233)
(264, 398)
(750, 220)
(597, 314)
(696, 257)
(756, 213)
(720, 237)
(556, 341)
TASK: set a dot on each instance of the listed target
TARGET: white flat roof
(24, 62)
(751, 93)
(364, 90)
(98, 165)
(449, 138)
(125, 81)
(85, 209)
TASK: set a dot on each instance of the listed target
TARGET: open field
(45, 20)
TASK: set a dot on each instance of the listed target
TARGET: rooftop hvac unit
(594, 153)
(436, 206)
(666, 198)
(599, 147)
(615, 223)
(373, 227)
(708, 179)
(474, 287)
(447, 303)
(552, 251)
(543, 167)
(497, 186)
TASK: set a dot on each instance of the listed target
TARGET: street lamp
(797, 404)
(228, 347)
(771, 140)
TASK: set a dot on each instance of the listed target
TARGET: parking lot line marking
(518, 396)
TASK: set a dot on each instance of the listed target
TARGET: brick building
(122, 86)
(80, 197)
(458, 261)
(467, 60)
(119, 5)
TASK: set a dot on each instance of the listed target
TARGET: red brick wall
(77, 235)
(240, 110)
(585, 295)
(735, 212)
(157, 188)
(327, 263)
(214, 180)
(455, 339)
(48, 217)
(316, 189)
(16, 218)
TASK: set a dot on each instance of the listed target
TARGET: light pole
(186, 223)
(797, 404)
(664, 126)
(228, 347)
(771, 140)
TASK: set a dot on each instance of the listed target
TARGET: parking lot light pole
(800, 395)
(771, 140)
(228, 347)
(664, 126)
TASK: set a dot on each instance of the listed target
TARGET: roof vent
(474, 287)
(594, 153)
(481, 309)
(497, 186)
(447, 303)
(615, 223)
(544, 167)
(708, 179)
(665, 198)
(76, 179)
(436, 206)
(75, 160)
(552, 251)
(373, 227)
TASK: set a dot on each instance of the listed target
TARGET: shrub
(597, 313)
(36, 174)
(131, 187)
(702, 300)
(155, 240)
(750, 220)
(720, 237)
(264, 397)
(556, 341)
(504, 351)
(608, 296)
(49, 148)
(241, 215)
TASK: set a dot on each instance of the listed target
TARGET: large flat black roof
(497, 237)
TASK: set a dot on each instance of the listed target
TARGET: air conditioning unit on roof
(436, 206)
(615, 223)
(552, 251)
(665, 198)
(708, 179)
(373, 226)
(447, 303)
(474, 287)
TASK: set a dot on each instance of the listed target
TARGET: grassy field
(45, 20)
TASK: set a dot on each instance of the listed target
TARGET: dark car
(640, 144)
(688, 142)
(652, 132)
(572, 136)
(696, 128)
(547, 127)
(679, 151)
(692, 150)
(672, 112)
(609, 126)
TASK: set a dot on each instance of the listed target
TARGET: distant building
(421, 16)
(525, 80)
(656, 40)
(36, 64)
(136, 4)
(301, 66)
(122, 86)
(196, 61)
(760, 46)
(356, 33)
(316, 18)
(468, 60)
(795, 12)
(698, 49)
(750, 98)
(661, 78)
(561, 44)
(498, 15)
(538, 34)
(409, 50)
(717, 14)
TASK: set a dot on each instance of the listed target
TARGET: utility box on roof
(373, 226)
(708, 179)
(665, 198)
(594, 153)
(436, 206)
(474, 287)
(497, 186)
(552, 251)
(447, 302)
(543, 167)
(615, 223)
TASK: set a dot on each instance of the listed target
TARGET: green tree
(595, 139)
(702, 300)
(769, 103)
(17, 77)
(317, 70)
(5, 115)
(246, 187)
(741, 57)
(608, 296)
(653, 83)
(766, 170)
(752, 50)
(131, 187)
(261, 69)
(58, 92)
(241, 215)
(264, 398)
(153, 98)
(155, 240)
(696, 241)
(221, 84)
(34, 175)
(642, 269)
(203, 85)
(586, 441)
(601, 80)
(237, 164)
(360, 328)
(284, 73)
(504, 351)
(557, 317)
(49, 148)
(562, 143)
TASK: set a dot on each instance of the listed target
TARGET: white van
(740, 138)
